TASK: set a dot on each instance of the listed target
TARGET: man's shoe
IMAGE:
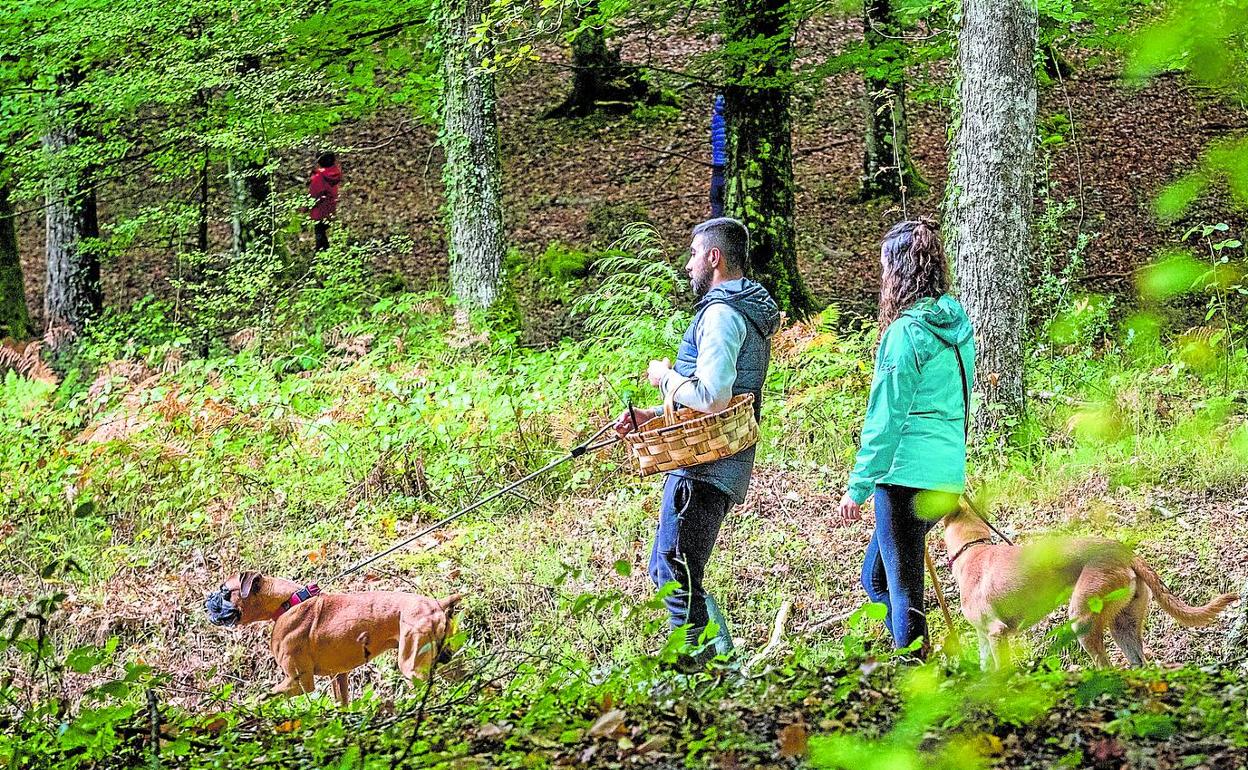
(723, 638)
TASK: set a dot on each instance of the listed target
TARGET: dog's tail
(1186, 614)
(449, 602)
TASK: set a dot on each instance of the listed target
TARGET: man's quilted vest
(731, 475)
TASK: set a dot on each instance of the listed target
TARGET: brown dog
(1006, 589)
(317, 634)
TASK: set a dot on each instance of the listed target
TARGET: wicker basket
(683, 437)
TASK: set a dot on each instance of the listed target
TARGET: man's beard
(700, 285)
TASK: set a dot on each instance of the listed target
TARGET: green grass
(311, 449)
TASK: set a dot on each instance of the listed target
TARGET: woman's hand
(849, 510)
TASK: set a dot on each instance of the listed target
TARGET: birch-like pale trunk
(989, 205)
(473, 171)
(887, 169)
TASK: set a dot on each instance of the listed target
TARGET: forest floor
(158, 478)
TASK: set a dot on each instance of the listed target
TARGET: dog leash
(979, 514)
(952, 640)
(584, 447)
(966, 435)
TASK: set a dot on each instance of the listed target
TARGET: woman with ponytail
(913, 455)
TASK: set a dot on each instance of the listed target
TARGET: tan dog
(318, 634)
(1006, 589)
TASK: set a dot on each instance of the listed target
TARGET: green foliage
(633, 308)
(1205, 39)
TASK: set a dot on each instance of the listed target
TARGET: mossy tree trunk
(72, 294)
(887, 169)
(758, 50)
(472, 173)
(252, 222)
(14, 314)
(600, 81)
(991, 193)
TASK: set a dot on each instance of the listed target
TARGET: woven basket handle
(669, 405)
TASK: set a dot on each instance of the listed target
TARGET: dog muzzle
(221, 611)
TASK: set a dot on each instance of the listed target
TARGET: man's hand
(657, 370)
(624, 423)
(849, 510)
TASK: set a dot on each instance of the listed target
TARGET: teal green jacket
(914, 434)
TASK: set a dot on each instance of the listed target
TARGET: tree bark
(991, 193)
(758, 43)
(14, 314)
(251, 222)
(251, 218)
(599, 80)
(887, 169)
(473, 173)
(72, 295)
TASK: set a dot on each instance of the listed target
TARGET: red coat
(324, 188)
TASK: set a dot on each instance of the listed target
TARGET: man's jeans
(893, 570)
(689, 521)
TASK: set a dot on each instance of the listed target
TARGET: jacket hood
(333, 174)
(943, 317)
(748, 298)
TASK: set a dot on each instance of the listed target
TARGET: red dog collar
(298, 597)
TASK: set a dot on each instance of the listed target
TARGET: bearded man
(725, 352)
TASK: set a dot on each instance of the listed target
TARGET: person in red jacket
(323, 188)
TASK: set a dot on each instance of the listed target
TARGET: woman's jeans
(893, 570)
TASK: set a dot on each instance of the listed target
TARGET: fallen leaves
(793, 740)
(607, 724)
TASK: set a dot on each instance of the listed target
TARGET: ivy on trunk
(759, 190)
(473, 172)
(887, 169)
(14, 315)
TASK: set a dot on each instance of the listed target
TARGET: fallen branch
(777, 634)
(830, 620)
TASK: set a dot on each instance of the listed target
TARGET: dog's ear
(248, 582)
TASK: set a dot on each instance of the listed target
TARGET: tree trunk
(991, 194)
(887, 169)
(251, 221)
(599, 79)
(14, 314)
(251, 217)
(473, 169)
(72, 295)
(758, 45)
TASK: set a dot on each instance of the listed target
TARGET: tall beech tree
(758, 54)
(991, 192)
(72, 293)
(887, 169)
(473, 170)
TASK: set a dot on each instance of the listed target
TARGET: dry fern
(58, 336)
(24, 358)
(107, 379)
